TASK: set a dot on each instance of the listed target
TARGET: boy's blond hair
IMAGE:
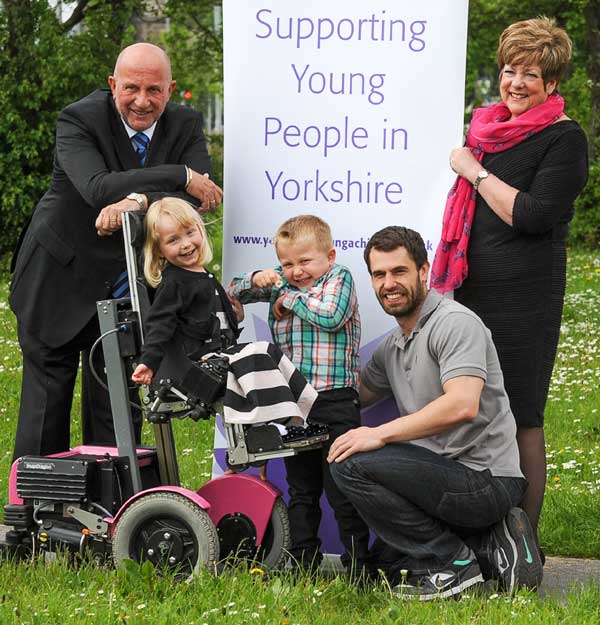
(183, 213)
(305, 228)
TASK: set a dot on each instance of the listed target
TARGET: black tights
(532, 450)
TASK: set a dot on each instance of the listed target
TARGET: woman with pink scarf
(503, 248)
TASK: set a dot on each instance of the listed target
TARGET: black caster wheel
(237, 538)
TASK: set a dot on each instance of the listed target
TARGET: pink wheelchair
(126, 502)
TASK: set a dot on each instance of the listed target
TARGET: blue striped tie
(121, 287)
(140, 141)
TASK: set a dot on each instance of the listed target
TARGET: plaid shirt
(322, 335)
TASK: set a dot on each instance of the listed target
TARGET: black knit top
(193, 308)
(517, 273)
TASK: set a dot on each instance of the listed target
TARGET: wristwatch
(482, 175)
(139, 198)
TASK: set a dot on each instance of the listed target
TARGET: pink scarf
(491, 130)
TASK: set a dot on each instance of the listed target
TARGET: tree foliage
(44, 65)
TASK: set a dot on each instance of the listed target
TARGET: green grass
(38, 593)
(571, 515)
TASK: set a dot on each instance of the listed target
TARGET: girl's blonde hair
(181, 212)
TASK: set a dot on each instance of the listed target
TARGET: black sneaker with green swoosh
(453, 579)
(514, 553)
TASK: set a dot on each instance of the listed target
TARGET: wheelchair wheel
(276, 542)
(169, 530)
(237, 535)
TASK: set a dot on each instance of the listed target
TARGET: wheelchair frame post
(167, 455)
(163, 432)
(118, 387)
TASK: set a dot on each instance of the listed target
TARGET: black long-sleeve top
(517, 273)
(186, 306)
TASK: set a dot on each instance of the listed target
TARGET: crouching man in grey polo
(439, 484)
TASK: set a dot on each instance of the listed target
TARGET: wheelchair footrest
(262, 438)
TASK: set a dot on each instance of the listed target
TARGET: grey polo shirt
(448, 341)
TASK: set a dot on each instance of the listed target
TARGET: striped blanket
(264, 385)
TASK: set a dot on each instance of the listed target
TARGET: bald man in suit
(72, 251)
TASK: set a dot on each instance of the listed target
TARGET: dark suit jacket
(63, 267)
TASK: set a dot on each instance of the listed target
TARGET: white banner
(343, 109)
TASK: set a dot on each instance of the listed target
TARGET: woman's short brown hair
(537, 41)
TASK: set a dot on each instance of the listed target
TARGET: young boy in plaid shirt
(313, 316)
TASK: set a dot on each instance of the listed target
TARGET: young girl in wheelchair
(191, 308)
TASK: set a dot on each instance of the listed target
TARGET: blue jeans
(423, 507)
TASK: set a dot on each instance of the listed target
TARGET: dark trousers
(423, 507)
(49, 375)
(308, 476)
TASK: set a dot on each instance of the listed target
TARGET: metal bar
(163, 432)
(130, 258)
(167, 455)
(118, 388)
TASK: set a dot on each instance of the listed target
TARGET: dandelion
(257, 571)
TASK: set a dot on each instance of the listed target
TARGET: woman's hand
(499, 196)
(464, 163)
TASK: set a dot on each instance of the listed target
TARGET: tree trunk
(21, 24)
(592, 33)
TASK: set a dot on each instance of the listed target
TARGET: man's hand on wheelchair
(109, 219)
(142, 375)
